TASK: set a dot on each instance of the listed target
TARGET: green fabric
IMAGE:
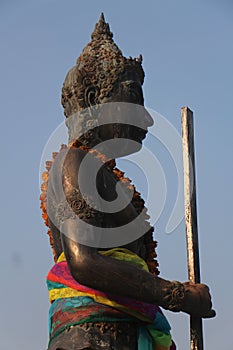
(127, 255)
(159, 337)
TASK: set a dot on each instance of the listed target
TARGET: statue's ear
(91, 96)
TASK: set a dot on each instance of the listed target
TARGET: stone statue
(105, 298)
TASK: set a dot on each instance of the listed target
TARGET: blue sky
(188, 55)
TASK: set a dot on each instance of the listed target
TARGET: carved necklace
(137, 202)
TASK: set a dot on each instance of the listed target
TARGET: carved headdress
(97, 70)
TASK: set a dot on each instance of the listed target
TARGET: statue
(106, 298)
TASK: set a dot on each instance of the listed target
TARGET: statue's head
(102, 75)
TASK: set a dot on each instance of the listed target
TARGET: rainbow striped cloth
(74, 303)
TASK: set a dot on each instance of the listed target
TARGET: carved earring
(91, 96)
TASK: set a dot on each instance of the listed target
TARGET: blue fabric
(144, 339)
(67, 303)
(161, 323)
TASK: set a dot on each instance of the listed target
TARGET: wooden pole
(196, 334)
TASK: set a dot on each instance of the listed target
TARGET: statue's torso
(92, 335)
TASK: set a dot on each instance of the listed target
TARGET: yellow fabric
(61, 257)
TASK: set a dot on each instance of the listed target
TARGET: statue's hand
(197, 300)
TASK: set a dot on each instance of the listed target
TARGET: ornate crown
(97, 70)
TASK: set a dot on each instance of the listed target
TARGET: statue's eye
(134, 94)
(132, 91)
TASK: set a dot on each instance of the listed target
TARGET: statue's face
(128, 89)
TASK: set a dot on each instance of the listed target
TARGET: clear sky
(188, 56)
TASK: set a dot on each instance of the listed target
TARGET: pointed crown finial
(102, 17)
(102, 30)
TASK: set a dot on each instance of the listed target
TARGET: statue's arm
(113, 276)
(109, 275)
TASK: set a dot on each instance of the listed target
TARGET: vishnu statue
(104, 288)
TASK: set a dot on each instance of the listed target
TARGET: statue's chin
(119, 147)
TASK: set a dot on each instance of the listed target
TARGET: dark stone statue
(88, 283)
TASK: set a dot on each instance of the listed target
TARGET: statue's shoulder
(61, 185)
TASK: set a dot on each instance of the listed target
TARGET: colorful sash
(73, 303)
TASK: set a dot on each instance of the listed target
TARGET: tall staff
(196, 334)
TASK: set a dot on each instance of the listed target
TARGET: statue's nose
(148, 119)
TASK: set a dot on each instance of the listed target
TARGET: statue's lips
(139, 136)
